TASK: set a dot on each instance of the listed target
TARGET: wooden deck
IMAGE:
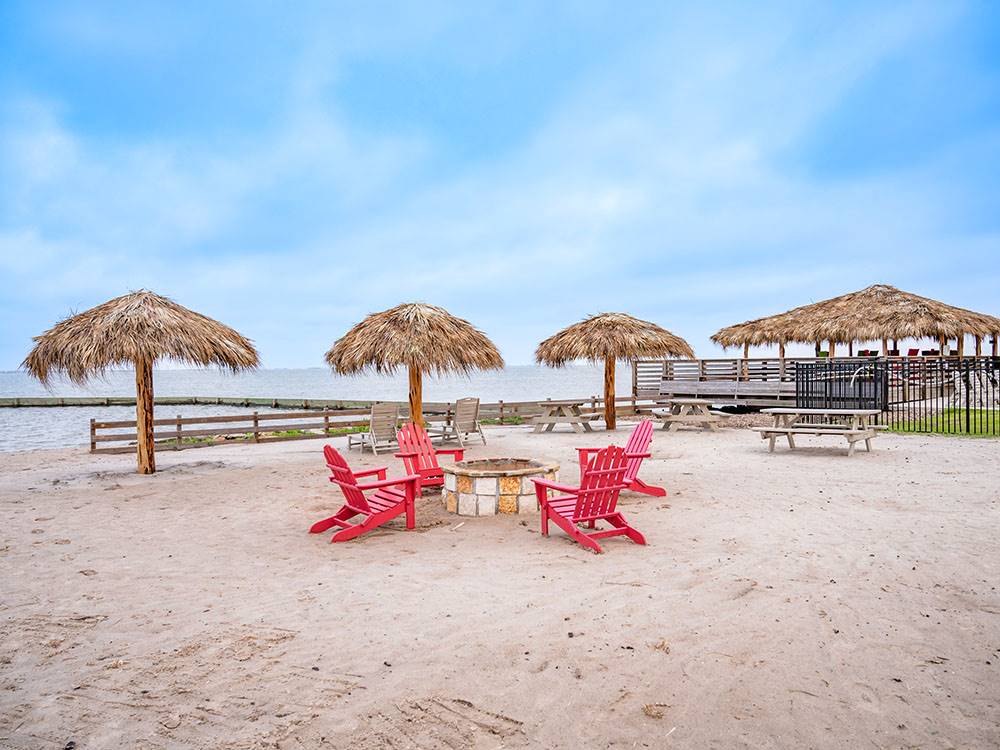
(743, 382)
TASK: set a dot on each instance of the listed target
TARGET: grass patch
(515, 419)
(982, 423)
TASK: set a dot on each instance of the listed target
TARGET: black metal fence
(956, 395)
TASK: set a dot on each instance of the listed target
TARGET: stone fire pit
(487, 486)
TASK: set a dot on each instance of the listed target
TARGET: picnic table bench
(852, 424)
(688, 411)
(564, 412)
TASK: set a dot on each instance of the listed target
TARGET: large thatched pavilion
(137, 329)
(607, 338)
(420, 337)
(877, 313)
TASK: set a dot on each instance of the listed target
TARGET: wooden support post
(609, 393)
(500, 403)
(93, 436)
(256, 428)
(178, 427)
(416, 397)
(941, 340)
(145, 447)
(833, 349)
(885, 348)
(817, 348)
(979, 346)
(850, 348)
(745, 367)
(996, 344)
(961, 345)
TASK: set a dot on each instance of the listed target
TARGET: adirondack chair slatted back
(345, 479)
(639, 442)
(413, 439)
(384, 420)
(466, 414)
(601, 483)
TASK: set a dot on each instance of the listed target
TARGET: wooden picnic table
(692, 411)
(852, 424)
(563, 412)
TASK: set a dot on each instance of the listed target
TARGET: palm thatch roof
(878, 312)
(610, 336)
(417, 336)
(141, 326)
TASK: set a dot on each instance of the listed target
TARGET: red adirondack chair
(420, 456)
(390, 498)
(594, 500)
(636, 449)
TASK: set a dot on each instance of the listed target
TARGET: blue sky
(289, 167)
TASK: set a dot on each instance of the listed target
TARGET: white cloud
(661, 184)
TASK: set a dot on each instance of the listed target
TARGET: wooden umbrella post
(609, 393)
(885, 347)
(145, 447)
(416, 396)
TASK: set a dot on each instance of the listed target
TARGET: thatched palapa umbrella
(876, 312)
(420, 337)
(138, 329)
(607, 338)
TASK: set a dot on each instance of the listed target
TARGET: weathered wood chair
(420, 456)
(636, 449)
(381, 429)
(390, 498)
(594, 500)
(465, 423)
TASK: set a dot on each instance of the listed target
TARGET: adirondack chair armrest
(553, 486)
(389, 482)
(368, 472)
(587, 450)
(638, 455)
(405, 455)
(457, 453)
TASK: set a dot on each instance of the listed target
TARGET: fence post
(177, 447)
(326, 423)
(93, 436)
(967, 383)
(256, 428)
(501, 411)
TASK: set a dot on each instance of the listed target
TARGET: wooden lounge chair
(465, 423)
(390, 498)
(635, 450)
(594, 500)
(420, 457)
(381, 429)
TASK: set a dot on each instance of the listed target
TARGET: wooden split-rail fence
(180, 432)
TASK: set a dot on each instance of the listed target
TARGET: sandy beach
(798, 599)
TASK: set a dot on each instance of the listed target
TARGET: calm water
(28, 428)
